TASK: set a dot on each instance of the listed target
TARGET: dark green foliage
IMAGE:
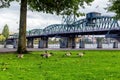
(115, 7)
(57, 6)
(5, 31)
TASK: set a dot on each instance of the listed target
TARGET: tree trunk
(22, 27)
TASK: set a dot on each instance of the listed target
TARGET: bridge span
(93, 24)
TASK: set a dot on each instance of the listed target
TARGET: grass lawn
(94, 65)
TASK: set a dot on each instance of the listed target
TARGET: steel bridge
(93, 24)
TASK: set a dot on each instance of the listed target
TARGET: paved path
(6, 50)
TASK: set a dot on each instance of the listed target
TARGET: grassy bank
(94, 65)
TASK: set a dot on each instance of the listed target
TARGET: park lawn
(94, 65)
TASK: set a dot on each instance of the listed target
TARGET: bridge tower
(92, 18)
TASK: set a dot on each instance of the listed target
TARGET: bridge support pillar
(5, 44)
(64, 42)
(99, 44)
(30, 42)
(67, 42)
(43, 42)
(115, 44)
(15, 43)
(71, 42)
(82, 44)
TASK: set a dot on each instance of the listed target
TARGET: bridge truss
(95, 23)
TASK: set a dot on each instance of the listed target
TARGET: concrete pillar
(15, 43)
(64, 42)
(43, 42)
(82, 44)
(71, 42)
(67, 42)
(99, 42)
(30, 43)
(5, 44)
(115, 44)
(40, 44)
(117, 40)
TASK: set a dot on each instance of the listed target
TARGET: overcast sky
(40, 20)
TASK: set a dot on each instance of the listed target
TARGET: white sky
(40, 20)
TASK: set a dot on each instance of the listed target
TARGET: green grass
(94, 65)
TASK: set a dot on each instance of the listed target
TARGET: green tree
(2, 38)
(5, 31)
(115, 7)
(47, 6)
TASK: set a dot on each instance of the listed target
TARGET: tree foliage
(5, 31)
(2, 38)
(115, 7)
(59, 7)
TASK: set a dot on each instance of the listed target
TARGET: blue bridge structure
(93, 24)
